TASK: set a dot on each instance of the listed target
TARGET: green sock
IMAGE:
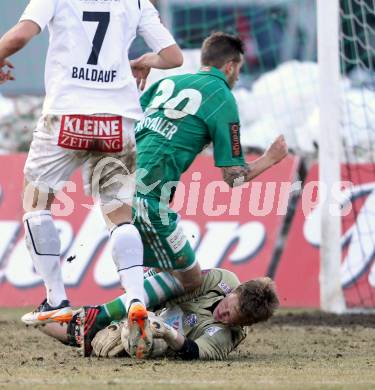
(159, 288)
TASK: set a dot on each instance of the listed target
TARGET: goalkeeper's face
(228, 311)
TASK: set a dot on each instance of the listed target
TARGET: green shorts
(165, 244)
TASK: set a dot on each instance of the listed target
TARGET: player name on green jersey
(162, 126)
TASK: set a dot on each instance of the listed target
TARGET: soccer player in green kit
(183, 114)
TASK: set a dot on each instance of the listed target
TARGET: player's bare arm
(237, 175)
(13, 41)
(168, 58)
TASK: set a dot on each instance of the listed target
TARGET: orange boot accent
(139, 330)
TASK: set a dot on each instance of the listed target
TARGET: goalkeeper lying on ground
(207, 323)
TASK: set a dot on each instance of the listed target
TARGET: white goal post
(331, 294)
(346, 42)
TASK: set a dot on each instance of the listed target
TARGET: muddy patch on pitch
(318, 318)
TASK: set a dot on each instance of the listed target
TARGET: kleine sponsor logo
(82, 132)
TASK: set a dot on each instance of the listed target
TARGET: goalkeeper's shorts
(165, 244)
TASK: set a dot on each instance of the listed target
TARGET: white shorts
(54, 155)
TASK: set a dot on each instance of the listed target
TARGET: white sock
(43, 243)
(127, 252)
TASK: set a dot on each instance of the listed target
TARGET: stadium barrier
(236, 229)
(300, 259)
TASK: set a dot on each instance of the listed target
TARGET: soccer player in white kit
(89, 111)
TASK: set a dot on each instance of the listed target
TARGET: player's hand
(158, 327)
(141, 69)
(6, 74)
(107, 342)
(159, 346)
(278, 150)
(161, 330)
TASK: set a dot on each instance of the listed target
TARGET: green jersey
(192, 315)
(183, 114)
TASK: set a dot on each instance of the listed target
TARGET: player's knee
(116, 213)
(35, 199)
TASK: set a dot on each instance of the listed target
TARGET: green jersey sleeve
(218, 341)
(224, 127)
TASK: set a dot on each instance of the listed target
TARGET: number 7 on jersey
(103, 19)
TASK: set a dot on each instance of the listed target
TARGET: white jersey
(87, 67)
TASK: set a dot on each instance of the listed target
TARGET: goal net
(357, 124)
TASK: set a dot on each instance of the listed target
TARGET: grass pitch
(295, 350)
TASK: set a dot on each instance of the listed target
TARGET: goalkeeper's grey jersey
(192, 316)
